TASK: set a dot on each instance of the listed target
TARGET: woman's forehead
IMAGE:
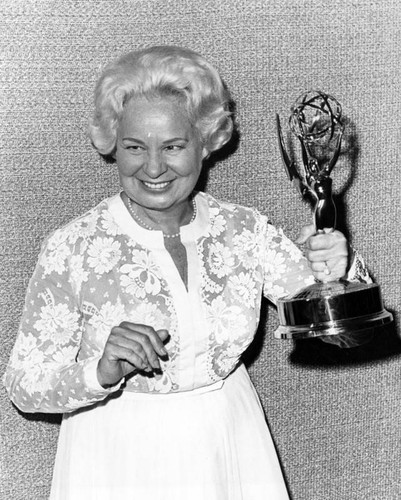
(152, 117)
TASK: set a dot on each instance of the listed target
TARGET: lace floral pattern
(92, 275)
(241, 257)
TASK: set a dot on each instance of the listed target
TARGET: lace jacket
(103, 268)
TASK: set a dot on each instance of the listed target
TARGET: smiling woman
(159, 156)
(139, 311)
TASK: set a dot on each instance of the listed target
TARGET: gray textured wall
(335, 415)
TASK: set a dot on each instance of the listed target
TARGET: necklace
(146, 226)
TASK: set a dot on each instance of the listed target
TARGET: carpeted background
(335, 414)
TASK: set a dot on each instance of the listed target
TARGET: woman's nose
(154, 166)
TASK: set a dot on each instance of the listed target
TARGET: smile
(156, 185)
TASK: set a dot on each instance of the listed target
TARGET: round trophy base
(338, 308)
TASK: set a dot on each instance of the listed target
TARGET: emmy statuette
(339, 312)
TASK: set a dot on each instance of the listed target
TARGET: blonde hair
(162, 71)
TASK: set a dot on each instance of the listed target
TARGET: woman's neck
(167, 221)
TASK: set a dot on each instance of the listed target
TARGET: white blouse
(103, 268)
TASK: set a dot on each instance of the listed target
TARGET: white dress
(198, 430)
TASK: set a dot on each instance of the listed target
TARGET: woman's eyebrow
(175, 139)
(132, 139)
(167, 141)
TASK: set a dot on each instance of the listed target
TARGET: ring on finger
(326, 268)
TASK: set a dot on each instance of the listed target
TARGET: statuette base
(340, 308)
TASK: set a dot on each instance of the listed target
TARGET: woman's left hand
(327, 253)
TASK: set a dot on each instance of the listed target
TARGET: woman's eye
(174, 147)
(134, 148)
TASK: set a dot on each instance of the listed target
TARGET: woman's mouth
(156, 186)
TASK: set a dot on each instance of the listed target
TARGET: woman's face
(159, 154)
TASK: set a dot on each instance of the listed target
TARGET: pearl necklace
(146, 226)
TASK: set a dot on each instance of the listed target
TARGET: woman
(138, 311)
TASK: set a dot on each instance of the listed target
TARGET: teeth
(158, 185)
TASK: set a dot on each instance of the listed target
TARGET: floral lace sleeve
(286, 269)
(43, 374)
(357, 270)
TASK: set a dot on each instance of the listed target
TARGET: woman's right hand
(130, 347)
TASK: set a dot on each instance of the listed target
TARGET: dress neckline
(154, 238)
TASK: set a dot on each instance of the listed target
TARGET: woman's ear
(218, 140)
(205, 153)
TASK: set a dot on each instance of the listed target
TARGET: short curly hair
(162, 71)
